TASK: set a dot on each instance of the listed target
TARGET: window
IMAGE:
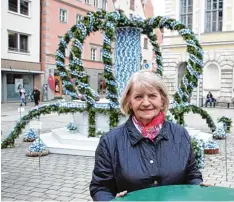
(186, 13)
(17, 42)
(19, 6)
(101, 55)
(104, 4)
(145, 43)
(132, 4)
(211, 77)
(214, 15)
(13, 5)
(87, 1)
(93, 54)
(63, 15)
(23, 7)
(95, 3)
(78, 18)
(181, 71)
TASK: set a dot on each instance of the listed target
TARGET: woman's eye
(152, 96)
(138, 97)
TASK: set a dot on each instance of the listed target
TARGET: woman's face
(145, 102)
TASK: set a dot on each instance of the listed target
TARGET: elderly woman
(146, 151)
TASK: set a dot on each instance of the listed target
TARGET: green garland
(193, 47)
(60, 109)
(227, 122)
(198, 149)
(180, 111)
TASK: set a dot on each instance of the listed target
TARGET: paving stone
(79, 199)
(23, 192)
(27, 188)
(50, 196)
(22, 197)
(64, 193)
(7, 199)
(11, 190)
(8, 194)
(55, 192)
(81, 196)
(66, 189)
(37, 199)
(69, 185)
(35, 193)
(79, 191)
(55, 187)
(63, 198)
(43, 186)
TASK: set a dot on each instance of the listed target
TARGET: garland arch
(108, 22)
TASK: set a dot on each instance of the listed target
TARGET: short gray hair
(145, 78)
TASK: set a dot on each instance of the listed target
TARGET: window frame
(211, 11)
(19, 12)
(95, 4)
(80, 17)
(145, 45)
(87, 2)
(93, 57)
(187, 13)
(64, 10)
(18, 48)
(101, 55)
(104, 4)
(132, 5)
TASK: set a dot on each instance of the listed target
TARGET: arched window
(181, 70)
(211, 77)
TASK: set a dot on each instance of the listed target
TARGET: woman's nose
(146, 101)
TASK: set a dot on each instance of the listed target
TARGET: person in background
(22, 96)
(210, 99)
(36, 96)
(147, 150)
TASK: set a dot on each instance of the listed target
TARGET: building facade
(20, 46)
(58, 16)
(213, 23)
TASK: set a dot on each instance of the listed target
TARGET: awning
(23, 71)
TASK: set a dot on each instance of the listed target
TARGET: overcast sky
(159, 7)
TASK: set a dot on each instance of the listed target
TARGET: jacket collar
(135, 136)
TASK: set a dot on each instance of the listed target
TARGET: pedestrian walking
(36, 96)
(22, 96)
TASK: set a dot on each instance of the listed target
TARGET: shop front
(14, 76)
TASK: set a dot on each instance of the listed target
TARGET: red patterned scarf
(152, 129)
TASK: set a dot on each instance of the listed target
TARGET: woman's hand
(205, 185)
(121, 194)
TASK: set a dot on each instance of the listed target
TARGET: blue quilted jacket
(125, 160)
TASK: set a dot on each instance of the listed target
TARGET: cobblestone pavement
(67, 177)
